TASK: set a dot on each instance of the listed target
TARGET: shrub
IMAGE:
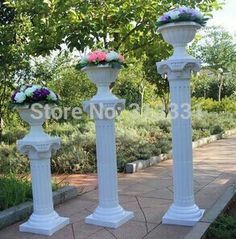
(13, 191)
(138, 137)
(227, 104)
(223, 228)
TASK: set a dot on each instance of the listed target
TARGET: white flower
(36, 87)
(174, 15)
(184, 8)
(23, 88)
(20, 97)
(29, 91)
(199, 15)
(111, 56)
(52, 96)
(84, 60)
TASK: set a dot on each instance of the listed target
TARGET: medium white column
(108, 213)
(183, 211)
(103, 108)
(44, 219)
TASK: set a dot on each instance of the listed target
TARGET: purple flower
(40, 94)
(14, 94)
(164, 18)
(192, 12)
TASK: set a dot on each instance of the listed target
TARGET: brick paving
(148, 194)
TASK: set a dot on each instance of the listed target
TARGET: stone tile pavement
(148, 194)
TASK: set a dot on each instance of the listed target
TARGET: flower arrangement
(102, 57)
(182, 14)
(29, 94)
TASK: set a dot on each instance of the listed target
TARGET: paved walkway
(148, 194)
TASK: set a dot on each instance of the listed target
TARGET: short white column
(108, 213)
(44, 219)
(183, 211)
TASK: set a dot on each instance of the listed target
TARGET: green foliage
(209, 105)
(72, 86)
(14, 191)
(17, 189)
(133, 86)
(207, 85)
(217, 49)
(138, 137)
(223, 228)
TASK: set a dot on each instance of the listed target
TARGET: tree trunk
(166, 102)
(221, 81)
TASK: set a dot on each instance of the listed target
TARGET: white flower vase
(38, 146)
(178, 35)
(178, 68)
(102, 76)
(35, 118)
(108, 213)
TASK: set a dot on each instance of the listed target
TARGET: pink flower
(92, 57)
(121, 58)
(101, 56)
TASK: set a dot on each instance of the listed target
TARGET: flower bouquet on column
(33, 102)
(178, 27)
(102, 68)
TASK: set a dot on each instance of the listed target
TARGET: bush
(210, 105)
(13, 191)
(223, 228)
(138, 137)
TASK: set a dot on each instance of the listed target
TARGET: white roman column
(103, 108)
(178, 69)
(39, 146)
(184, 210)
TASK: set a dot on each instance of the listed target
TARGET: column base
(44, 224)
(109, 217)
(185, 216)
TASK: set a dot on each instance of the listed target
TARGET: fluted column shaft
(106, 163)
(41, 183)
(182, 142)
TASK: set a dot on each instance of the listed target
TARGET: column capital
(43, 149)
(104, 109)
(178, 69)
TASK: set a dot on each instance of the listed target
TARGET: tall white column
(108, 213)
(183, 211)
(44, 219)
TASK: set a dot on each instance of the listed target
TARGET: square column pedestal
(44, 224)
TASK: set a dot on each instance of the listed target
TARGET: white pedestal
(185, 216)
(183, 211)
(44, 224)
(109, 217)
(44, 219)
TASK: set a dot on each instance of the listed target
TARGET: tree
(122, 25)
(13, 57)
(133, 86)
(35, 27)
(217, 50)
